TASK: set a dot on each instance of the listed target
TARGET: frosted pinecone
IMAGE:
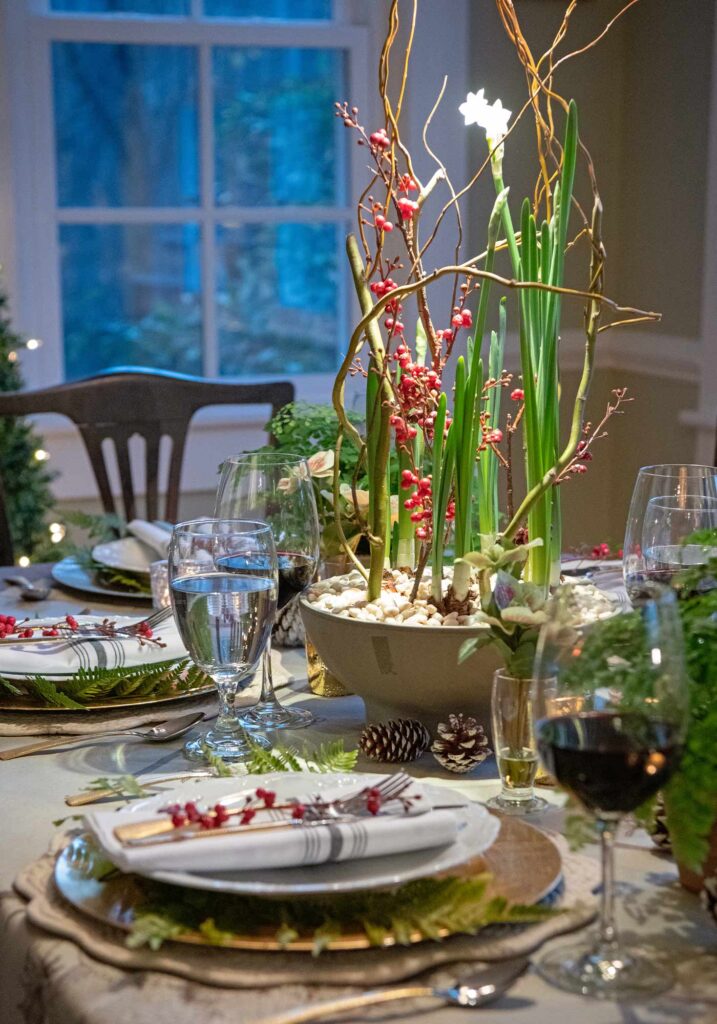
(461, 744)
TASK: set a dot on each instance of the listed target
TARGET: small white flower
(473, 109)
(493, 117)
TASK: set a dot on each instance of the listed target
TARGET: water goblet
(224, 619)
(668, 503)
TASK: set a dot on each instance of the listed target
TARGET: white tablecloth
(45, 980)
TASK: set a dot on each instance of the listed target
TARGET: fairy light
(12, 356)
(23, 561)
(41, 455)
(57, 532)
(33, 343)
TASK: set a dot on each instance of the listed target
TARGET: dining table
(46, 978)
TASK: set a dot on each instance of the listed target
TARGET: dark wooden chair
(126, 401)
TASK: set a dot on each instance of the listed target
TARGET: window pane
(277, 139)
(126, 125)
(288, 10)
(130, 296)
(122, 6)
(278, 297)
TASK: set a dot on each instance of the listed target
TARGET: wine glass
(667, 534)
(669, 502)
(276, 488)
(224, 618)
(610, 709)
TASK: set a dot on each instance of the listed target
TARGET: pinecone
(659, 831)
(461, 744)
(708, 897)
(289, 628)
(400, 739)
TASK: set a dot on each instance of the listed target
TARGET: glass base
(532, 805)
(232, 747)
(276, 716)
(586, 971)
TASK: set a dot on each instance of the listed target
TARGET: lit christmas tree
(23, 470)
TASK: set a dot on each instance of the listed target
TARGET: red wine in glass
(611, 761)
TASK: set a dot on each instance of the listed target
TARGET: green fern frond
(87, 685)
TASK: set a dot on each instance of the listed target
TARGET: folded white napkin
(283, 848)
(152, 534)
(59, 658)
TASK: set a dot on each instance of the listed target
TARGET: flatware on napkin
(237, 849)
(59, 657)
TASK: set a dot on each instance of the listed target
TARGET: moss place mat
(245, 969)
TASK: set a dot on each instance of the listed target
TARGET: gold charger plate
(106, 704)
(524, 865)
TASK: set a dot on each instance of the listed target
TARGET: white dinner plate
(73, 574)
(128, 553)
(478, 830)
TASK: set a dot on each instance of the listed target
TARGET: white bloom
(474, 108)
(493, 117)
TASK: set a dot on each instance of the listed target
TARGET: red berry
(71, 621)
(517, 394)
(298, 812)
(269, 798)
(191, 810)
(246, 815)
(379, 139)
(260, 793)
(206, 821)
(178, 819)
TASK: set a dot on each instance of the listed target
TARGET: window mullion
(210, 360)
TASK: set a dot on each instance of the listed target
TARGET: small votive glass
(516, 752)
(159, 584)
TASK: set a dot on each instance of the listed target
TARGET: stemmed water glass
(610, 709)
(224, 618)
(276, 488)
(669, 504)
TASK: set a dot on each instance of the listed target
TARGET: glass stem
(227, 719)
(607, 936)
(268, 697)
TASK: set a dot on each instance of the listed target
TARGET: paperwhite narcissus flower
(492, 117)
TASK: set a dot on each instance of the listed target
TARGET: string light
(12, 356)
(41, 455)
(57, 532)
(33, 343)
(23, 561)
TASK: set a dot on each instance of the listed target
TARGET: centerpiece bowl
(404, 671)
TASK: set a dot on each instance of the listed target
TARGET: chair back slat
(130, 401)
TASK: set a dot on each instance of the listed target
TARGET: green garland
(428, 907)
(165, 679)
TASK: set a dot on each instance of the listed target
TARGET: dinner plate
(71, 573)
(478, 830)
(127, 553)
(523, 864)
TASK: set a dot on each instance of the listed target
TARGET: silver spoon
(160, 733)
(472, 991)
(37, 591)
